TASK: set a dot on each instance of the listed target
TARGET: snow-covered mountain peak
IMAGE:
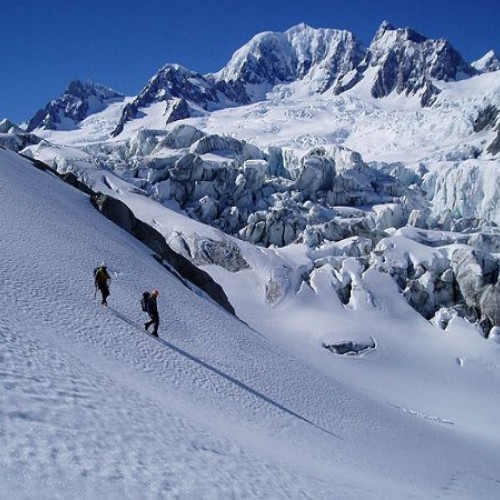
(489, 62)
(6, 126)
(174, 80)
(388, 35)
(382, 32)
(85, 90)
(408, 63)
(385, 25)
(78, 101)
(184, 92)
(170, 69)
(267, 57)
(305, 35)
(299, 28)
(318, 56)
(403, 61)
(399, 61)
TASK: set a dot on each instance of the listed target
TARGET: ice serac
(78, 101)
(489, 118)
(407, 62)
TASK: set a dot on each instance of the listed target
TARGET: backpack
(144, 301)
(100, 275)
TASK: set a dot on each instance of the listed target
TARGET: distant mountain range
(398, 61)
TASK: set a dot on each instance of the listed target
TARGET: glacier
(335, 204)
(282, 167)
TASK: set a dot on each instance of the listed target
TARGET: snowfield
(351, 220)
(94, 408)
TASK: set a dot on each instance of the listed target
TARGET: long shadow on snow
(225, 376)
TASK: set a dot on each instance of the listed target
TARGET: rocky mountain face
(15, 138)
(77, 102)
(406, 62)
(267, 60)
(399, 61)
(180, 89)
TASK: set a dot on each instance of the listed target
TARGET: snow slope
(94, 408)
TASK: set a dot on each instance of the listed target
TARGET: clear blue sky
(122, 43)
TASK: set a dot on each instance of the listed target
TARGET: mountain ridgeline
(308, 138)
(78, 102)
(398, 60)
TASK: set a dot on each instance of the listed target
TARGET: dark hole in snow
(350, 348)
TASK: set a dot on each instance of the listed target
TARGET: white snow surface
(92, 407)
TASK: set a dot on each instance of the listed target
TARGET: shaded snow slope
(94, 408)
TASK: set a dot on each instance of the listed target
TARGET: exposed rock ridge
(77, 102)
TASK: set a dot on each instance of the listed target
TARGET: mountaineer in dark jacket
(151, 307)
(101, 282)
